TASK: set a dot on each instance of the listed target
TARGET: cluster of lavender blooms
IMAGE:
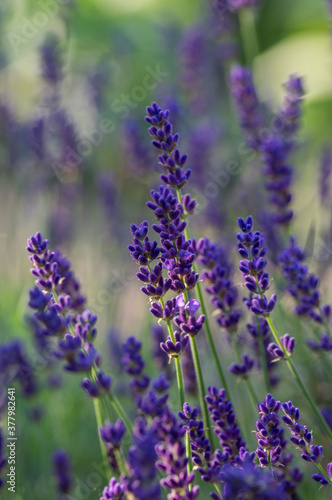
(210, 463)
(62, 326)
(175, 253)
(217, 274)
(275, 147)
(157, 444)
(304, 288)
(252, 266)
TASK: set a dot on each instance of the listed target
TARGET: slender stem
(301, 384)
(115, 402)
(120, 411)
(324, 473)
(179, 376)
(96, 404)
(248, 34)
(97, 408)
(262, 354)
(218, 489)
(204, 311)
(210, 338)
(121, 463)
(201, 390)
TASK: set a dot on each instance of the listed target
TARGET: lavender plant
(190, 445)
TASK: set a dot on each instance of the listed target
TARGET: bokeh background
(76, 164)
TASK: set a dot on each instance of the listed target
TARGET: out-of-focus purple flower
(63, 472)
(244, 368)
(261, 329)
(224, 25)
(193, 57)
(161, 383)
(249, 481)
(161, 359)
(237, 5)
(142, 481)
(139, 159)
(134, 364)
(189, 372)
(16, 366)
(3, 459)
(172, 459)
(112, 436)
(83, 361)
(217, 276)
(286, 122)
(302, 285)
(245, 98)
(98, 80)
(51, 60)
(325, 175)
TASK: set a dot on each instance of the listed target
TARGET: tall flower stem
(248, 34)
(96, 401)
(324, 425)
(207, 323)
(201, 388)
(99, 420)
(179, 377)
(178, 367)
(200, 381)
(262, 354)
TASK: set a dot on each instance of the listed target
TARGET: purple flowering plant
(229, 397)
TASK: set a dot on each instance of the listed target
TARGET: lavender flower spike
(302, 439)
(62, 471)
(244, 95)
(268, 432)
(251, 248)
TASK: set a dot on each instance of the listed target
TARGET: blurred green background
(106, 47)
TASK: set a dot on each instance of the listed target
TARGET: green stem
(97, 408)
(179, 374)
(248, 34)
(122, 468)
(324, 473)
(201, 389)
(301, 384)
(120, 411)
(204, 311)
(180, 381)
(210, 338)
(115, 402)
(263, 357)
